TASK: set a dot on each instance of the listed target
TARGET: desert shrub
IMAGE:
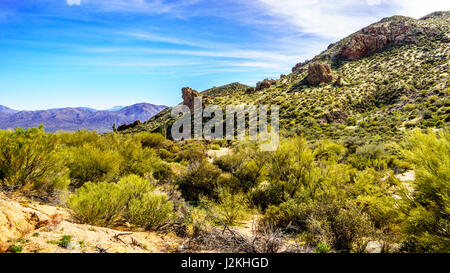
(99, 204)
(343, 227)
(246, 165)
(288, 214)
(350, 228)
(329, 151)
(323, 248)
(428, 207)
(215, 147)
(228, 163)
(197, 222)
(369, 156)
(105, 203)
(229, 209)
(15, 249)
(200, 178)
(88, 163)
(78, 138)
(30, 162)
(162, 170)
(152, 211)
(266, 194)
(191, 152)
(134, 187)
(65, 241)
(152, 140)
(293, 164)
(135, 159)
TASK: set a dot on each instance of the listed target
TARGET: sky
(102, 53)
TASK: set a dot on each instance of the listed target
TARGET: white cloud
(420, 8)
(337, 19)
(73, 2)
(142, 6)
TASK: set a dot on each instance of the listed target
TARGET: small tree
(30, 162)
(428, 207)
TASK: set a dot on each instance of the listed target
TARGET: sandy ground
(407, 176)
(40, 228)
(213, 154)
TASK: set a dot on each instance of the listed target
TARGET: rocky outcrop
(318, 73)
(128, 126)
(250, 90)
(300, 67)
(189, 95)
(374, 38)
(266, 83)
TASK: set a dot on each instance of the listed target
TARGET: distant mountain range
(73, 119)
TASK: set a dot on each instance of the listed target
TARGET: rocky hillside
(378, 81)
(72, 119)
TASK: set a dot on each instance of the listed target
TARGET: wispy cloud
(336, 19)
(73, 2)
(140, 6)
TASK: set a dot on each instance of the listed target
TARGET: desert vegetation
(322, 195)
(363, 163)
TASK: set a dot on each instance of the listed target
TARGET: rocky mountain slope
(72, 119)
(373, 84)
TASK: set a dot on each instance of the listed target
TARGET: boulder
(189, 95)
(250, 90)
(266, 83)
(318, 73)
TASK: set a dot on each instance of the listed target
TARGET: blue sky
(101, 53)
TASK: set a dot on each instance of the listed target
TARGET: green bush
(89, 163)
(197, 222)
(428, 209)
(30, 162)
(134, 187)
(215, 147)
(289, 214)
(191, 152)
(323, 248)
(199, 179)
(152, 140)
(100, 204)
(78, 138)
(266, 194)
(162, 170)
(229, 209)
(15, 249)
(370, 156)
(350, 228)
(133, 199)
(135, 159)
(65, 241)
(151, 211)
